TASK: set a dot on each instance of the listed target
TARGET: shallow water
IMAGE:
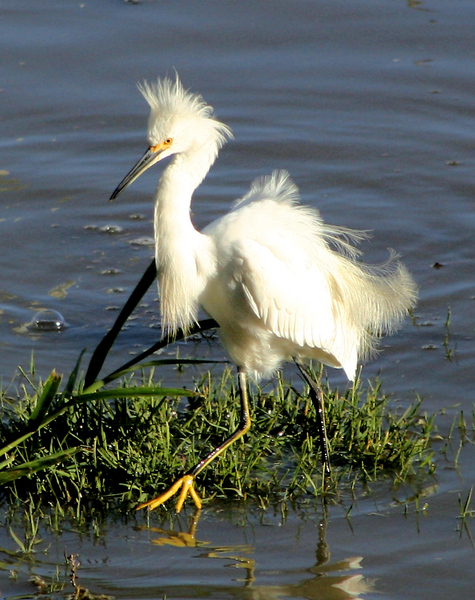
(374, 546)
(370, 107)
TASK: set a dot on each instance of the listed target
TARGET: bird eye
(168, 141)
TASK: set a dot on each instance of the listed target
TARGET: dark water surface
(370, 106)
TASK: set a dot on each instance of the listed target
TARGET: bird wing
(276, 263)
(291, 298)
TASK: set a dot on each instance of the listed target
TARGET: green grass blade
(16, 442)
(44, 401)
(17, 540)
(102, 350)
(114, 393)
(68, 390)
(154, 363)
(34, 466)
(132, 393)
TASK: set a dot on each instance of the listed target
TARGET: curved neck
(173, 200)
(178, 182)
(179, 248)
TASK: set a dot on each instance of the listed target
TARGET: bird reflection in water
(325, 579)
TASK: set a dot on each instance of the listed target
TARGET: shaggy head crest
(167, 97)
(173, 108)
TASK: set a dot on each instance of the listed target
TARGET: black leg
(316, 395)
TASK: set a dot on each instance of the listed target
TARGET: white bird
(280, 282)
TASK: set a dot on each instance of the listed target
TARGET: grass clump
(126, 448)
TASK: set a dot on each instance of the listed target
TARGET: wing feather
(302, 279)
(291, 299)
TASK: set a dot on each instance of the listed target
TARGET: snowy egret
(281, 284)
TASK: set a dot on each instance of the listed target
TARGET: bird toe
(186, 483)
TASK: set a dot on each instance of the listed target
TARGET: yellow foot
(186, 483)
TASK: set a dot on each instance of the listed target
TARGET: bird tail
(379, 298)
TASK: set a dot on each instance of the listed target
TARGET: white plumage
(280, 282)
(287, 285)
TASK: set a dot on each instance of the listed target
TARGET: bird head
(180, 122)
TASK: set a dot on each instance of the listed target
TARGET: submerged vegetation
(81, 444)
